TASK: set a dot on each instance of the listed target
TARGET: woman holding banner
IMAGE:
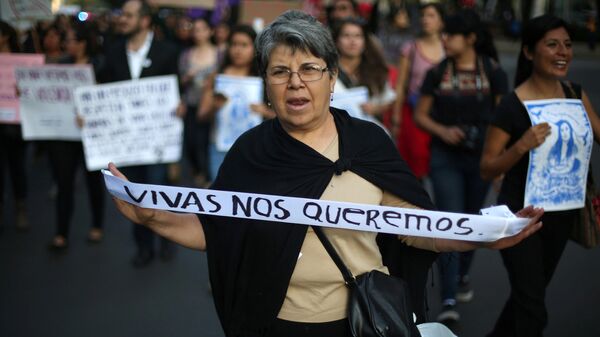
(276, 279)
(546, 52)
(81, 44)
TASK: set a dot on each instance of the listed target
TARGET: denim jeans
(215, 159)
(457, 187)
(147, 174)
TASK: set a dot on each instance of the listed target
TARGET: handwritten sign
(46, 97)
(26, 9)
(558, 168)
(235, 117)
(130, 122)
(9, 102)
(498, 222)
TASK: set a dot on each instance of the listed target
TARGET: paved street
(93, 291)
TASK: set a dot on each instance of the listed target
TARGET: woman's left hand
(534, 214)
(369, 109)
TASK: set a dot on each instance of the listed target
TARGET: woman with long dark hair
(239, 61)
(417, 57)
(66, 157)
(544, 59)
(195, 64)
(362, 64)
(455, 106)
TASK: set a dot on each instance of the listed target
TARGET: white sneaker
(448, 313)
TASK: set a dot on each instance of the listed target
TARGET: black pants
(297, 329)
(195, 141)
(65, 159)
(530, 266)
(146, 174)
(12, 156)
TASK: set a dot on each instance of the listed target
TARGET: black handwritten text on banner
(371, 218)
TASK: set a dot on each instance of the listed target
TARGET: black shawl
(251, 262)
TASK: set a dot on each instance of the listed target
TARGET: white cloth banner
(130, 122)
(235, 117)
(558, 169)
(351, 100)
(498, 222)
(46, 98)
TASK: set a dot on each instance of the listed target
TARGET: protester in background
(220, 37)
(12, 146)
(239, 61)
(456, 104)
(66, 157)
(394, 32)
(277, 279)
(195, 64)
(417, 57)
(361, 64)
(52, 43)
(184, 33)
(342, 9)
(544, 59)
(140, 55)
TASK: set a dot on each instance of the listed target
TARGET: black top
(512, 117)
(251, 262)
(464, 98)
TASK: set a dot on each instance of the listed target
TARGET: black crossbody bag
(379, 304)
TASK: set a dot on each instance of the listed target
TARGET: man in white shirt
(140, 55)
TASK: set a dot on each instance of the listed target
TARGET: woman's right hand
(132, 212)
(452, 135)
(219, 100)
(534, 137)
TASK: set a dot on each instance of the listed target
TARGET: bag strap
(574, 91)
(346, 273)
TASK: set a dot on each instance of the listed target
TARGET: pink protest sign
(9, 102)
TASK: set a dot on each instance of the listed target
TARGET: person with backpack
(457, 100)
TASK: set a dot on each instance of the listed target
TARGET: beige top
(317, 292)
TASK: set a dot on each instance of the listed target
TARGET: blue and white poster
(236, 117)
(558, 168)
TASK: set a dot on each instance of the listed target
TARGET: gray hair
(298, 31)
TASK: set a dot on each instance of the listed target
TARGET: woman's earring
(269, 104)
(331, 97)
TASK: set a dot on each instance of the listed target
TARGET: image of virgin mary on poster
(558, 168)
(236, 117)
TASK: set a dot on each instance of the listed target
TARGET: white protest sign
(333, 214)
(130, 122)
(46, 98)
(26, 9)
(9, 102)
(351, 100)
(558, 169)
(235, 117)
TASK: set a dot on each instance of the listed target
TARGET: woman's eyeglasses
(307, 73)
